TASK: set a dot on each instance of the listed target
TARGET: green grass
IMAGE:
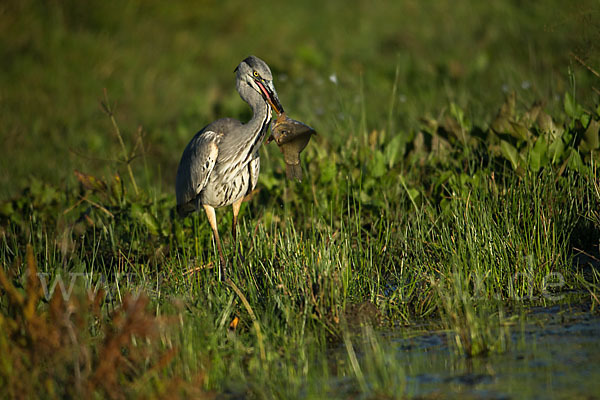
(431, 194)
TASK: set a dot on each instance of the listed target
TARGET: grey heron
(220, 165)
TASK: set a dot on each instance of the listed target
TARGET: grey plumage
(220, 165)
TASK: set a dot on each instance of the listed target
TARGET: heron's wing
(195, 167)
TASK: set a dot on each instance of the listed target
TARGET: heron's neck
(249, 137)
(261, 114)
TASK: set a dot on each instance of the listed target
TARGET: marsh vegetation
(451, 193)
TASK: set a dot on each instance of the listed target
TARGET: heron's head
(255, 73)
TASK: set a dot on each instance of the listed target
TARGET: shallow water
(555, 354)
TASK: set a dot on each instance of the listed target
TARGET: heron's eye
(255, 74)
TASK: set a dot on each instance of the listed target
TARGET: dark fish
(292, 137)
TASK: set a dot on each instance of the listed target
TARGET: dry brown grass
(69, 348)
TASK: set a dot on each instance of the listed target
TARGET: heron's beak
(270, 95)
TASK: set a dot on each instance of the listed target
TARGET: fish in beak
(292, 137)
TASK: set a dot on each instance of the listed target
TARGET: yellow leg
(212, 220)
(236, 211)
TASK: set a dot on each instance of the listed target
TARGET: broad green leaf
(556, 150)
(575, 161)
(150, 222)
(443, 178)
(136, 210)
(501, 124)
(413, 194)
(145, 218)
(572, 108)
(377, 166)
(459, 115)
(547, 126)
(519, 131)
(268, 181)
(451, 125)
(510, 153)
(43, 193)
(392, 150)
(591, 137)
(538, 154)
(445, 204)
(531, 116)
(364, 197)
(6, 209)
(585, 119)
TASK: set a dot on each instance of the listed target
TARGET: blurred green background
(340, 66)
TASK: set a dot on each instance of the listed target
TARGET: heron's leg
(236, 211)
(212, 220)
